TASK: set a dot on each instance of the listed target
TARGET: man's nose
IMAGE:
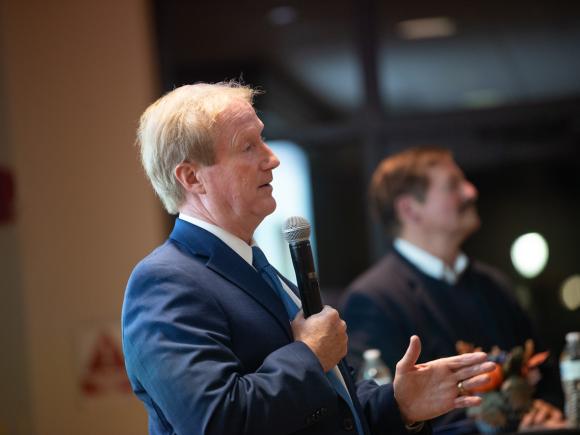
(469, 190)
(271, 161)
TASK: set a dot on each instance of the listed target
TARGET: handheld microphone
(297, 232)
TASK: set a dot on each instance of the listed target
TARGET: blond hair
(179, 127)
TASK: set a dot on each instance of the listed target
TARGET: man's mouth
(467, 206)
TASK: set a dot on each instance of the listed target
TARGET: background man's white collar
(430, 264)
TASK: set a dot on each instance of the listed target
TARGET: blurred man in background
(426, 285)
(213, 336)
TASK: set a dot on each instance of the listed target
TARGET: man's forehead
(241, 114)
(237, 108)
(444, 168)
(236, 120)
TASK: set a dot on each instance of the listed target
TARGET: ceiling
(344, 55)
(503, 86)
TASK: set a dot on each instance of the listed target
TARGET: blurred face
(239, 194)
(449, 206)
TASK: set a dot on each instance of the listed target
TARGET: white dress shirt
(431, 265)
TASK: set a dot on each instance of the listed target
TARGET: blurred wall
(76, 75)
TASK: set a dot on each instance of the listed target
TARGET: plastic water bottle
(570, 374)
(374, 367)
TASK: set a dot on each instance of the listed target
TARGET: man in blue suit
(211, 343)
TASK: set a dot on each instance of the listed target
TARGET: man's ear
(407, 209)
(187, 175)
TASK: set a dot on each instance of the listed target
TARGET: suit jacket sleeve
(381, 410)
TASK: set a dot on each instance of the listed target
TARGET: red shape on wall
(7, 194)
(106, 369)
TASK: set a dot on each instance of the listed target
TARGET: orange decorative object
(495, 380)
(535, 361)
(538, 359)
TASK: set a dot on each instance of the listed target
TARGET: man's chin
(268, 208)
(472, 226)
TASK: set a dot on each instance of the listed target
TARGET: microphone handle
(306, 277)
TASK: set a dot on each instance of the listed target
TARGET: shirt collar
(238, 245)
(235, 243)
(430, 264)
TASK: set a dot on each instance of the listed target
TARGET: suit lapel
(225, 262)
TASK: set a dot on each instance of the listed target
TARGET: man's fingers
(544, 415)
(467, 359)
(541, 416)
(556, 414)
(545, 412)
(474, 382)
(474, 370)
(466, 401)
(407, 363)
(527, 420)
(299, 316)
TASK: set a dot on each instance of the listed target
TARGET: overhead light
(282, 15)
(529, 254)
(425, 28)
(570, 292)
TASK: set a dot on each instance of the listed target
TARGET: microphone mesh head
(296, 229)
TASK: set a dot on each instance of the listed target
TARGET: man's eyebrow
(236, 134)
(244, 131)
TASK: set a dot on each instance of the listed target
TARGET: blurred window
(293, 194)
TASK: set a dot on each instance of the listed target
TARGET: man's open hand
(542, 415)
(426, 391)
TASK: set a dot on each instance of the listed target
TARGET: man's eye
(248, 146)
(454, 185)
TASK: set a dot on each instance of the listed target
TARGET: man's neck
(441, 247)
(239, 231)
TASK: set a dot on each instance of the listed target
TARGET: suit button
(323, 411)
(348, 424)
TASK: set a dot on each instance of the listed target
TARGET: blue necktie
(270, 275)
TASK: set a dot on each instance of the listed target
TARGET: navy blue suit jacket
(209, 350)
